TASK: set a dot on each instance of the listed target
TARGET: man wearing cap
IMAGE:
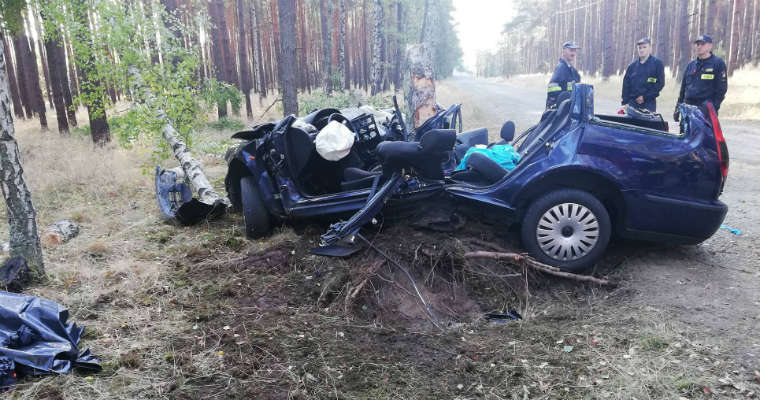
(564, 75)
(644, 78)
(704, 78)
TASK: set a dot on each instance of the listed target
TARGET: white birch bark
(191, 167)
(60, 232)
(22, 221)
(421, 93)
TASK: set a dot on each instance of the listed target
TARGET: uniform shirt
(562, 80)
(704, 80)
(646, 80)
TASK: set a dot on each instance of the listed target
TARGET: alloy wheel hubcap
(567, 231)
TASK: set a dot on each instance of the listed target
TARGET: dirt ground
(200, 312)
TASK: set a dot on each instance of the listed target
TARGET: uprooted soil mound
(274, 321)
(423, 284)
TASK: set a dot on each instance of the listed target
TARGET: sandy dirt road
(712, 288)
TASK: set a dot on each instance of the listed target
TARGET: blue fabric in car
(503, 154)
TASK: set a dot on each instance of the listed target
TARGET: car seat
(481, 170)
(424, 156)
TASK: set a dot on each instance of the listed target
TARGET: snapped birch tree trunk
(191, 167)
(22, 220)
(421, 94)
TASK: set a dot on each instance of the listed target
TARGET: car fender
(602, 183)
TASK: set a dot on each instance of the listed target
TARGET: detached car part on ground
(581, 177)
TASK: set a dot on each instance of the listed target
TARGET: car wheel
(569, 229)
(255, 214)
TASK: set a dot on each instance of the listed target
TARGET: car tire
(232, 184)
(567, 228)
(255, 214)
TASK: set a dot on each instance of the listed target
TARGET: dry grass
(200, 312)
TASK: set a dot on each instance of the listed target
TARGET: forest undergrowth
(202, 312)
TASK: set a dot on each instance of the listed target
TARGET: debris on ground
(5, 247)
(731, 229)
(36, 338)
(501, 318)
(14, 274)
(527, 261)
(60, 232)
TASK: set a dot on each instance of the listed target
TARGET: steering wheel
(342, 119)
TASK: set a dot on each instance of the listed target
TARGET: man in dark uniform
(704, 78)
(644, 78)
(564, 75)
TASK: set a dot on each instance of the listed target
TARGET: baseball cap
(570, 45)
(644, 40)
(703, 38)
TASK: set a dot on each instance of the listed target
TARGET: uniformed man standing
(704, 78)
(564, 75)
(644, 78)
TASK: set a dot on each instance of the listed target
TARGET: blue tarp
(503, 154)
(35, 335)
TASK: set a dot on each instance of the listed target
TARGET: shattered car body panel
(644, 183)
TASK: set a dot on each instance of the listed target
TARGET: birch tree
(22, 220)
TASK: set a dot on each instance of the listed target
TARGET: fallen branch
(521, 259)
(268, 108)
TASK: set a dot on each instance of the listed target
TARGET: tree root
(527, 261)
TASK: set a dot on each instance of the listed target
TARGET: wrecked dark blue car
(581, 178)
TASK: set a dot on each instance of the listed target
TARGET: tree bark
(287, 61)
(32, 78)
(663, 34)
(216, 12)
(57, 73)
(255, 9)
(245, 65)
(92, 87)
(378, 48)
(18, 108)
(67, 80)
(34, 19)
(324, 11)
(56, 70)
(733, 52)
(22, 219)
(397, 49)
(421, 97)
(342, 59)
(684, 46)
(608, 47)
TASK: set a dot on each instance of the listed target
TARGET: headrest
(438, 140)
(508, 131)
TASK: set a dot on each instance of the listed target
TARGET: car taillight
(720, 143)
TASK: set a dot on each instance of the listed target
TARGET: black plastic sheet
(35, 335)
